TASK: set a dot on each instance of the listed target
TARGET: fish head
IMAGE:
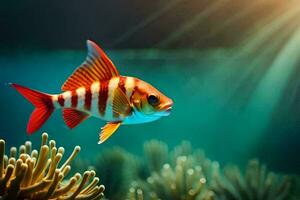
(149, 101)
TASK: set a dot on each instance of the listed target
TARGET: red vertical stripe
(135, 87)
(74, 99)
(102, 98)
(88, 99)
(121, 84)
(61, 100)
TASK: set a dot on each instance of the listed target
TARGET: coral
(176, 175)
(257, 183)
(118, 169)
(37, 175)
(156, 155)
(81, 164)
(185, 173)
(210, 169)
(136, 194)
(184, 181)
(183, 149)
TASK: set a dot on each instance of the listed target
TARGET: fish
(96, 89)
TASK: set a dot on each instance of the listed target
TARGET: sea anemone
(189, 174)
(135, 194)
(118, 169)
(156, 155)
(256, 183)
(184, 181)
(37, 175)
(179, 174)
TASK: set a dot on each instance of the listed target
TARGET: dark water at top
(233, 106)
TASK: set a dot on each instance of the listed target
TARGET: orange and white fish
(97, 89)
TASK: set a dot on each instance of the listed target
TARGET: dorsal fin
(96, 67)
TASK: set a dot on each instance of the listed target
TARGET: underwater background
(231, 67)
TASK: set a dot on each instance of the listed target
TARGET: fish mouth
(167, 109)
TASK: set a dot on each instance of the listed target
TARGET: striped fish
(97, 89)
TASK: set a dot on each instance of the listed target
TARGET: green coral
(136, 194)
(184, 181)
(156, 155)
(209, 168)
(118, 169)
(184, 173)
(257, 183)
(184, 169)
(177, 175)
(37, 174)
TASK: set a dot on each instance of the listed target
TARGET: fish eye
(153, 100)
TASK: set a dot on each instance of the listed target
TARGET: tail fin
(43, 107)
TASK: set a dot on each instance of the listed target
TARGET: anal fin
(73, 117)
(108, 130)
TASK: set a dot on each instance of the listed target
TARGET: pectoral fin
(108, 130)
(120, 105)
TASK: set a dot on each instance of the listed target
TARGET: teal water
(232, 103)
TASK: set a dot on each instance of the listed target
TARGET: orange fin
(43, 107)
(96, 67)
(120, 103)
(73, 117)
(108, 130)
